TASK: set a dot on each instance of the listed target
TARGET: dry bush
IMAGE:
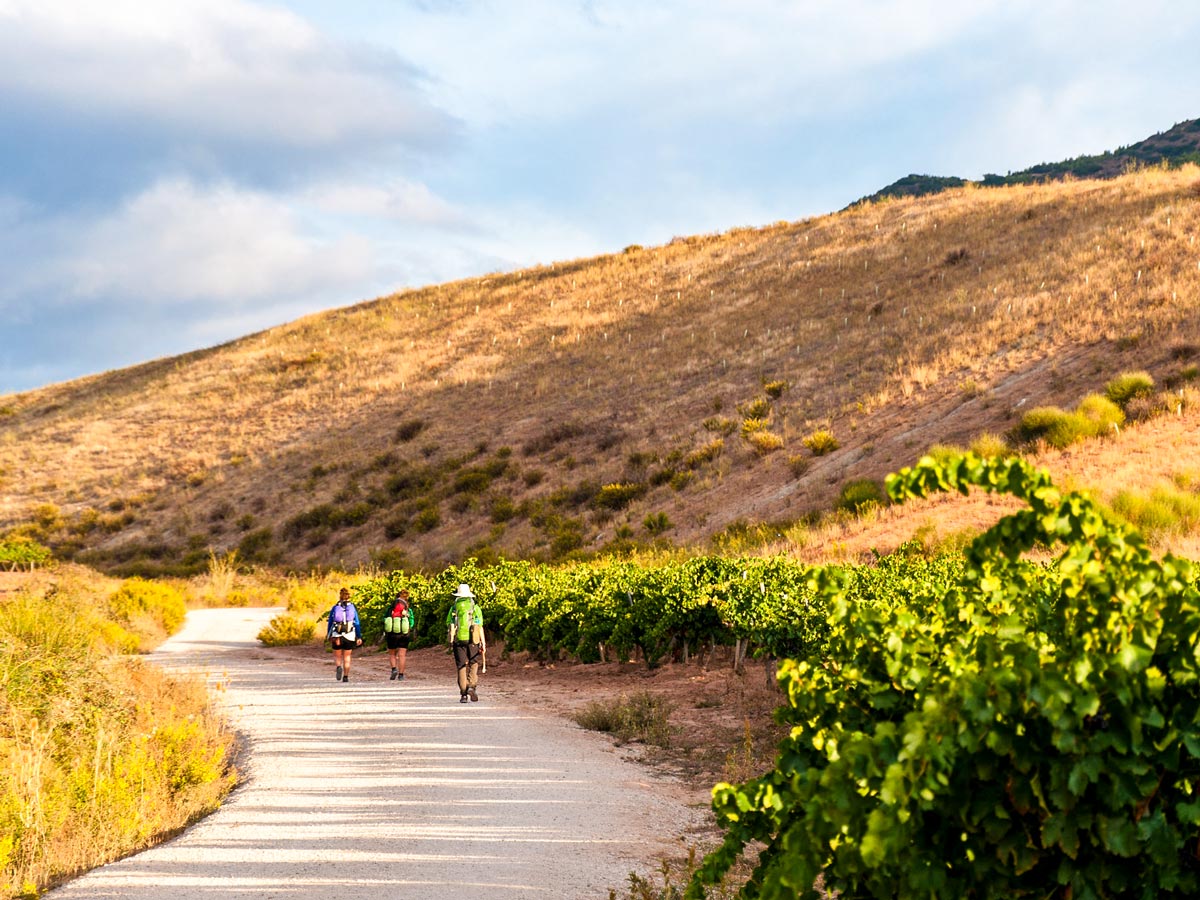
(821, 442)
(764, 442)
(287, 630)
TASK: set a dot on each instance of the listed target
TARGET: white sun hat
(463, 591)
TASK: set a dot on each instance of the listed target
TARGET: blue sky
(178, 173)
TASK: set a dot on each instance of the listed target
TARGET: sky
(178, 173)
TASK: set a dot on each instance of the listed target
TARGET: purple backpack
(343, 615)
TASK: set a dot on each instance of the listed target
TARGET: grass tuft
(1129, 386)
(640, 716)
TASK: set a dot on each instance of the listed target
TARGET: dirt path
(394, 789)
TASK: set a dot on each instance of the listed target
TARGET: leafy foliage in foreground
(1024, 732)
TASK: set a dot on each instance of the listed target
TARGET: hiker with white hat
(465, 635)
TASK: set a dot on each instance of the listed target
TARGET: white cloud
(177, 243)
(224, 70)
(389, 199)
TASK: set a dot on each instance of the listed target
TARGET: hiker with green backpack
(398, 628)
(465, 624)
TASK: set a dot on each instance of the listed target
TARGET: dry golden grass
(100, 754)
(897, 325)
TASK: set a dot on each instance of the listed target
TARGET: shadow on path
(393, 790)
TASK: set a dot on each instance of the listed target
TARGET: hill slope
(1174, 147)
(485, 415)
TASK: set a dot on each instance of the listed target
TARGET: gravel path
(395, 790)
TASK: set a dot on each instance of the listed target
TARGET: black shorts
(466, 654)
(341, 643)
(397, 641)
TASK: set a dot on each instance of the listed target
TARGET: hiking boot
(395, 675)
(462, 699)
(346, 678)
(338, 673)
(474, 696)
(400, 677)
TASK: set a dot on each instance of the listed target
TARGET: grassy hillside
(487, 416)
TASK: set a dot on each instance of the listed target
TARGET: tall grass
(1163, 512)
(99, 752)
(640, 716)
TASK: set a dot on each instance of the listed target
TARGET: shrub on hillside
(1165, 511)
(396, 527)
(1163, 403)
(426, 519)
(764, 442)
(1128, 386)
(751, 425)
(860, 495)
(758, 408)
(988, 445)
(255, 547)
(705, 454)
(564, 534)
(618, 495)
(681, 480)
(472, 481)
(1095, 416)
(1105, 415)
(409, 430)
(1055, 426)
(775, 389)
(327, 517)
(821, 442)
(410, 482)
(657, 523)
(720, 425)
(502, 508)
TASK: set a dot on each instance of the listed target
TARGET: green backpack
(464, 617)
(399, 621)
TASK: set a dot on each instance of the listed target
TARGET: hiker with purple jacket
(344, 633)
